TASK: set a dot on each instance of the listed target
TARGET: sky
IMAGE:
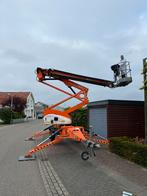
(78, 36)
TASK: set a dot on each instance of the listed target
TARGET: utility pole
(145, 95)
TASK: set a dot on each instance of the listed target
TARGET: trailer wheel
(85, 155)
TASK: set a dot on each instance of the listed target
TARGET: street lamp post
(11, 106)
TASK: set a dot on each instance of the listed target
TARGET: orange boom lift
(60, 121)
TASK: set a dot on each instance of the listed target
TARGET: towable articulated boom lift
(59, 122)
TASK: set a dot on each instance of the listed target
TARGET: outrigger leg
(52, 139)
(38, 134)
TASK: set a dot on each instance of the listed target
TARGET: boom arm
(50, 74)
(67, 78)
(53, 116)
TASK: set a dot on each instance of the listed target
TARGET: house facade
(39, 108)
(8, 99)
(30, 106)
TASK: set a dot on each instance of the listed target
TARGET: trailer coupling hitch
(90, 151)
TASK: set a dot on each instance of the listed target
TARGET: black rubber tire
(85, 155)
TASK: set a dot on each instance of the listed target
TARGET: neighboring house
(27, 97)
(30, 106)
(115, 118)
(39, 108)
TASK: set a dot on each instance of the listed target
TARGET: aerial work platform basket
(122, 73)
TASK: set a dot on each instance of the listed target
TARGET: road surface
(18, 178)
(59, 169)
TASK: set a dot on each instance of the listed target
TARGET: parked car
(40, 116)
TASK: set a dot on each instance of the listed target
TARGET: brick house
(27, 97)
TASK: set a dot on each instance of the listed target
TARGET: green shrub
(130, 150)
(18, 115)
(79, 118)
(5, 115)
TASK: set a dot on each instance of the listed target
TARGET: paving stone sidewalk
(106, 174)
(51, 180)
(126, 172)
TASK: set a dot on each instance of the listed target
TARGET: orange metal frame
(81, 96)
(71, 132)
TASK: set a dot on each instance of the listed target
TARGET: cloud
(83, 37)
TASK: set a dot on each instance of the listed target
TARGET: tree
(79, 118)
(13, 108)
(18, 104)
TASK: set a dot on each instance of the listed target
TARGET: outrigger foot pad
(27, 158)
(29, 139)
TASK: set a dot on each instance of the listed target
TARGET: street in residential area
(18, 178)
(59, 170)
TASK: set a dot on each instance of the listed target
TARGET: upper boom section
(50, 74)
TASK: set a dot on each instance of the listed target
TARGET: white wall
(30, 110)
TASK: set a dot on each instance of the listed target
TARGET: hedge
(6, 114)
(18, 115)
(130, 150)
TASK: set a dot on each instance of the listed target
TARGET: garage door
(98, 120)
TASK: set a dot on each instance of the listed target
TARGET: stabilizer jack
(38, 134)
(52, 139)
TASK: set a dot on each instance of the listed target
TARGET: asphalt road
(103, 175)
(18, 178)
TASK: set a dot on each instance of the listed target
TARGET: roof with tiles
(6, 95)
